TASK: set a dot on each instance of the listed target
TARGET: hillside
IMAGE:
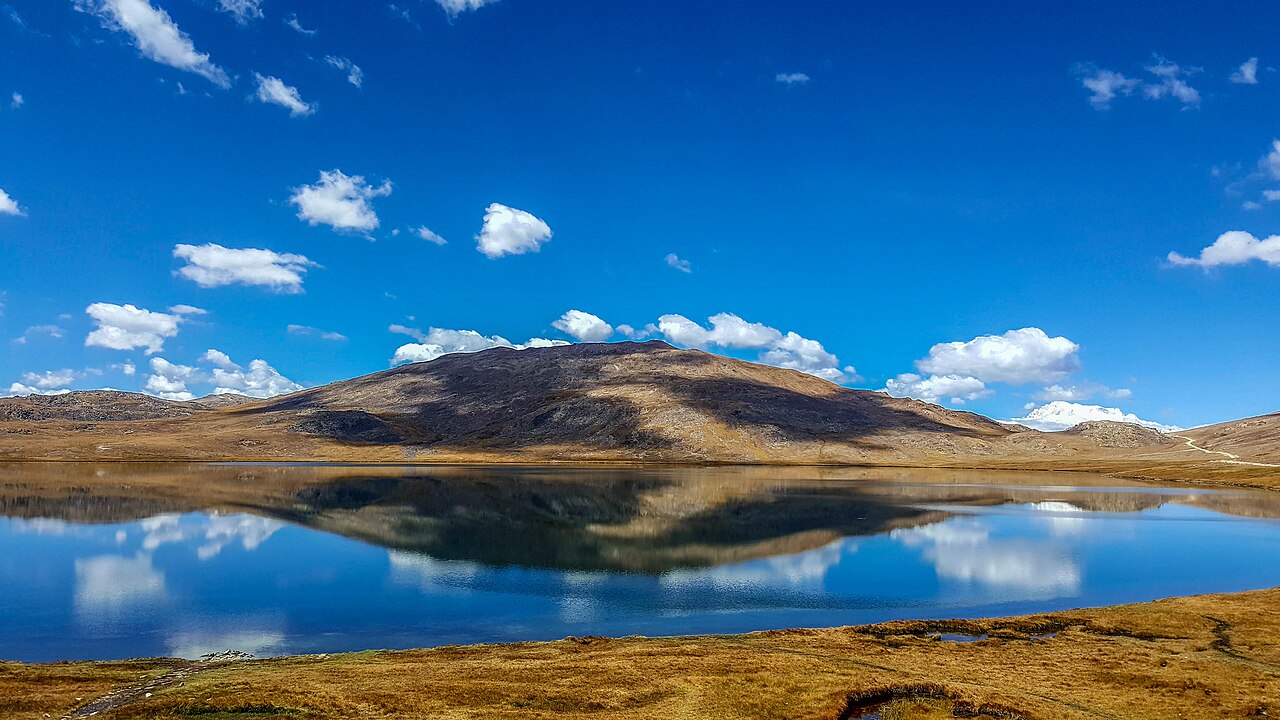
(1255, 439)
(632, 402)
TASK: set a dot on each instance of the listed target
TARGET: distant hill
(631, 402)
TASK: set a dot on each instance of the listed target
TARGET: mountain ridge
(617, 402)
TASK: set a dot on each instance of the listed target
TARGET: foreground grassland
(1198, 657)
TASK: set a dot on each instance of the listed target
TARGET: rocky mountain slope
(646, 402)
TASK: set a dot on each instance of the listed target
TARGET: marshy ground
(1208, 656)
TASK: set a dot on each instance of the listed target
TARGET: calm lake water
(120, 561)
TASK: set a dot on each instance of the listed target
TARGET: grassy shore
(1194, 657)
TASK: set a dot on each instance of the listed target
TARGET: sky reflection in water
(194, 582)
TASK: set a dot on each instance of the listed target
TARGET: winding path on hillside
(1231, 458)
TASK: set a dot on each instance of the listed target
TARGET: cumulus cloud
(16, 100)
(785, 350)
(243, 11)
(583, 326)
(1060, 415)
(674, 261)
(260, 380)
(355, 75)
(50, 379)
(508, 231)
(169, 380)
(1235, 247)
(9, 206)
(291, 21)
(126, 327)
(427, 234)
(273, 91)
(155, 35)
(1247, 73)
(308, 331)
(442, 341)
(18, 389)
(456, 7)
(212, 265)
(955, 389)
(632, 333)
(791, 78)
(1169, 81)
(341, 201)
(1016, 357)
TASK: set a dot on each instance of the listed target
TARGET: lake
(114, 561)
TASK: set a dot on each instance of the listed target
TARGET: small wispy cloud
(676, 262)
(791, 78)
(1247, 73)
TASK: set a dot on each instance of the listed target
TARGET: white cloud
(291, 21)
(213, 265)
(455, 7)
(19, 390)
(442, 341)
(792, 78)
(1270, 163)
(674, 261)
(127, 367)
(355, 75)
(317, 332)
(1247, 74)
(1016, 357)
(125, 327)
(52, 331)
(187, 310)
(243, 11)
(8, 206)
(1061, 415)
(787, 350)
(1235, 247)
(16, 100)
(273, 91)
(1107, 85)
(427, 234)
(1271, 195)
(260, 380)
(1170, 83)
(583, 326)
(340, 201)
(508, 231)
(50, 379)
(169, 380)
(648, 330)
(1083, 391)
(955, 389)
(219, 359)
(155, 35)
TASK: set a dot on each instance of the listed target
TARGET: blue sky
(973, 205)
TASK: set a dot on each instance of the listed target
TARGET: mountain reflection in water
(130, 560)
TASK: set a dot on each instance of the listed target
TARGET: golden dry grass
(1206, 656)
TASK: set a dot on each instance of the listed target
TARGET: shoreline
(1255, 476)
(1216, 653)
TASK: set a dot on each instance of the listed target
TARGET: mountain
(646, 402)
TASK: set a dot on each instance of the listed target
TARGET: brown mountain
(644, 402)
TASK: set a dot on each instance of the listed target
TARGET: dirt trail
(1231, 458)
(132, 693)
